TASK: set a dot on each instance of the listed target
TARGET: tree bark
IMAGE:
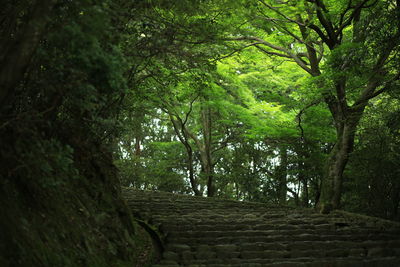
(182, 133)
(304, 181)
(282, 176)
(204, 148)
(192, 180)
(208, 166)
(331, 190)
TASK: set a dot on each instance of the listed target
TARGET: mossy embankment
(79, 221)
(62, 86)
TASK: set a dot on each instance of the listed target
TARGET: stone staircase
(196, 231)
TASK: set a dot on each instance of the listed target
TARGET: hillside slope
(80, 221)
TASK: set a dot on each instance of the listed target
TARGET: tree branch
(355, 12)
(236, 51)
(348, 8)
(271, 53)
(280, 13)
(385, 88)
(190, 110)
(332, 103)
(311, 51)
(286, 52)
(259, 40)
(176, 128)
(301, 112)
(320, 33)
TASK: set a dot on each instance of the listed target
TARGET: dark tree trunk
(331, 190)
(210, 182)
(396, 202)
(206, 156)
(192, 180)
(317, 189)
(237, 191)
(303, 155)
(304, 195)
(182, 133)
(282, 176)
(138, 150)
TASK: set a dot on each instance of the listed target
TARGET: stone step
(210, 232)
(305, 261)
(223, 237)
(359, 247)
(281, 250)
(225, 252)
(267, 229)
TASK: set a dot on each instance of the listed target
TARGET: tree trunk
(182, 132)
(304, 194)
(210, 182)
(282, 176)
(192, 180)
(206, 156)
(303, 156)
(237, 191)
(317, 197)
(331, 190)
(395, 202)
(138, 150)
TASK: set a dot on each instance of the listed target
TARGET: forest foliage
(62, 76)
(275, 101)
(286, 102)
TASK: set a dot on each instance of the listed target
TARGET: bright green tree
(349, 47)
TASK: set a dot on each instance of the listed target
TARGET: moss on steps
(212, 232)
